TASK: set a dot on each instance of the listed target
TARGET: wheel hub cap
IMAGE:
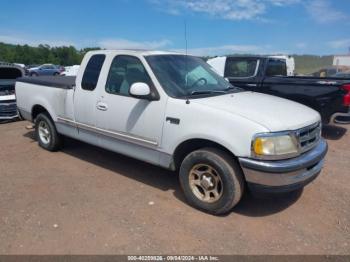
(44, 132)
(205, 183)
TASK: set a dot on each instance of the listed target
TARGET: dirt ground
(85, 200)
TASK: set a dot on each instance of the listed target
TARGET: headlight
(275, 146)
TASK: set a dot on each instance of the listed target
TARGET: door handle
(102, 106)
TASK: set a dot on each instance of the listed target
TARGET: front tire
(211, 180)
(46, 133)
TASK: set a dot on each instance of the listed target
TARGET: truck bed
(57, 90)
(64, 82)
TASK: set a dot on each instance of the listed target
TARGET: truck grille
(308, 137)
(8, 109)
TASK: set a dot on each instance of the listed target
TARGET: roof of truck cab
(135, 52)
(250, 56)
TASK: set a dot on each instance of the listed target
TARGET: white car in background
(71, 70)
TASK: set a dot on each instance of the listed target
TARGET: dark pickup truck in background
(329, 96)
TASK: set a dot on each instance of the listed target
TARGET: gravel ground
(85, 200)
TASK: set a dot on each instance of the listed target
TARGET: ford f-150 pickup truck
(329, 96)
(8, 75)
(173, 111)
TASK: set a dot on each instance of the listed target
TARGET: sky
(214, 27)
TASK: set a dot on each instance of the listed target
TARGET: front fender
(231, 131)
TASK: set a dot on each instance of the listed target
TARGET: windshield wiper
(230, 88)
(204, 92)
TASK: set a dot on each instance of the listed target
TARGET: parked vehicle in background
(71, 70)
(341, 60)
(32, 66)
(329, 96)
(173, 111)
(343, 75)
(8, 75)
(290, 62)
(219, 63)
(45, 70)
(61, 68)
(23, 66)
(345, 119)
(330, 71)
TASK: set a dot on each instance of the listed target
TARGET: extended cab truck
(173, 111)
(8, 75)
(329, 96)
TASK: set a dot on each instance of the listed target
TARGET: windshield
(184, 76)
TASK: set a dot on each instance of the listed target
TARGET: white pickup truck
(173, 111)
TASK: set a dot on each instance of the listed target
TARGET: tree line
(69, 55)
(25, 54)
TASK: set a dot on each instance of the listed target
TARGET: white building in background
(71, 70)
(341, 60)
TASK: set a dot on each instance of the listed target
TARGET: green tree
(24, 54)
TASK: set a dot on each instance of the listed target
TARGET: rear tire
(212, 180)
(46, 133)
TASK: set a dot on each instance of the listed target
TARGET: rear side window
(92, 72)
(241, 67)
(276, 67)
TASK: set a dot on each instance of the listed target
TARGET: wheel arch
(38, 109)
(190, 145)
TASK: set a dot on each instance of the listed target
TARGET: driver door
(130, 125)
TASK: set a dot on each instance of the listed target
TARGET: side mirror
(141, 91)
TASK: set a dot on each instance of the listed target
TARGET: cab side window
(125, 71)
(236, 67)
(92, 72)
(276, 67)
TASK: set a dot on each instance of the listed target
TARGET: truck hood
(274, 113)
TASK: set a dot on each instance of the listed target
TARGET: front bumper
(341, 118)
(284, 175)
(8, 110)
